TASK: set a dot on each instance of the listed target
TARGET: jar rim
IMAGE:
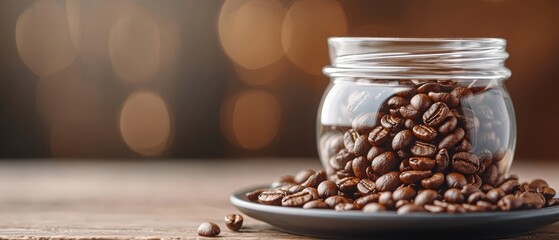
(418, 39)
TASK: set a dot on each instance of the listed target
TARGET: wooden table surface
(63, 199)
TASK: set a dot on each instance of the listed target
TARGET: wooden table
(63, 199)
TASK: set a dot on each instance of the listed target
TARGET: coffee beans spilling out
(208, 229)
(435, 147)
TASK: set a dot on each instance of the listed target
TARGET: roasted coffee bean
(388, 182)
(392, 123)
(448, 125)
(286, 179)
(319, 203)
(371, 174)
(271, 197)
(350, 137)
(208, 229)
(411, 208)
(366, 186)
(510, 186)
(284, 186)
(385, 162)
(452, 139)
(465, 162)
(421, 163)
(455, 180)
(472, 208)
(424, 133)
(446, 98)
(453, 195)
(364, 123)
(402, 139)
(547, 192)
(362, 201)
(334, 200)
(361, 146)
(421, 102)
(348, 184)
(532, 200)
(327, 188)
(401, 203)
(315, 179)
(488, 206)
(491, 175)
(303, 175)
(397, 101)
(442, 160)
(403, 154)
(404, 193)
(385, 198)
(427, 196)
(486, 188)
(413, 176)
(441, 203)
(461, 92)
(474, 180)
(486, 113)
(434, 182)
(509, 202)
(395, 112)
(337, 162)
(374, 207)
(455, 208)
(552, 202)
(359, 166)
(463, 146)
(409, 123)
(234, 222)
(253, 196)
(345, 207)
(469, 189)
(409, 112)
(436, 114)
(405, 165)
(295, 189)
(378, 136)
(474, 197)
(434, 208)
(423, 149)
(374, 152)
(538, 183)
(429, 87)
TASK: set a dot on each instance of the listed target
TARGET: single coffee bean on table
(234, 222)
(208, 229)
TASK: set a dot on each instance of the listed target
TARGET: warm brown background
(240, 79)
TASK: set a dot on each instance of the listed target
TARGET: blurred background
(235, 78)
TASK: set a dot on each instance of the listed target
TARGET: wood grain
(152, 200)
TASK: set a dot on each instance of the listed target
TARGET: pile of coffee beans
(436, 147)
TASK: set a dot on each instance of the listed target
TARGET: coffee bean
(538, 183)
(350, 136)
(552, 202)
(374, 152)
(334, 200)
(421, 163)
(421, 102)
(465, 162)
(532, 200)
(392, 123)
(477, 196)
(345, 207)
(361, 146)
(441, 203)
(486, 113)
(397, 101)
(401, 203)
(385, 162)
(385, 198)
(303, 175)
(319, 203)
(405, 165)
(402, 139)
(446, 98)
(429, 87)
(413, 176)
(374, 207)
(486, 188)
(404, 193)
(295, 189)
(488, 206)
(208, 229)
(411, 208)
(434, 182)
(364, 123)
(362, 201)
(338, 161)
(234, 222)
(448, 125)
(455, 208)
(366, 186)
(315, 179)
(509, 202)
(469, 189)
(409, 123)
(348, 184)
(434, 208)
(455, 180)
(461, 92)
(408, 93)
(378, 136)
(436, 114)
(491, 175)
(359, 166)
(472, 208)
(388, 182)
(424, 133)
(510, 186)
(271, 197)
(327, 188)
(427, 196)
(423, 149)
(409, 112)
(463, 146)
(442, 160)
(452, 139)
(547, 192)
(371, 174)
(453, 195)
(253, 196)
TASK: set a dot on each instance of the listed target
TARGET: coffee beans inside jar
(426, 146)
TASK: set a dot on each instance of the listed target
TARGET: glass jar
(400, 104)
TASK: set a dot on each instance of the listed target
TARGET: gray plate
(388, 225)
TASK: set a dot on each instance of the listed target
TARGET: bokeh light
(307, 25)
(135, 46)
(250, 31)
(43, 39)
(261, 76)
(251, 119)
(145, 123)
